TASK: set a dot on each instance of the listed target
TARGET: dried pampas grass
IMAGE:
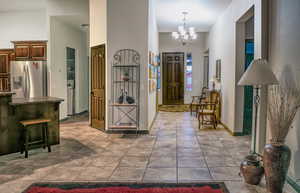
(284, 102)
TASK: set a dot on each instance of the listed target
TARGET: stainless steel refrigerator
(29, 78)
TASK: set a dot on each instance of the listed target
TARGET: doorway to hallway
(173, 78)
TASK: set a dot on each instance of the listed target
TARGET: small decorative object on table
(252, 169)
(284, 102)
(129, 99)
(121, 98)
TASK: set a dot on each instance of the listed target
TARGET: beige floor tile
(160, 175)
(225, 173)
(128, 174)
(191, 162)
(193, 174)
(134, 161)
(162, 162)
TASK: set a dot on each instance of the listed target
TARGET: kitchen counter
(24, 101)
(6, 93)
(14, 110)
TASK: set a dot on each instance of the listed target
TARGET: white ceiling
(20, 5)
(202, 13)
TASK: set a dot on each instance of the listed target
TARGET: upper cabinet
(30, 50)
(6, 55)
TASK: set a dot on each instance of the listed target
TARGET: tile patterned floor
(174, 151)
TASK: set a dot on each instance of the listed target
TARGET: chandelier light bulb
(185, 33)
(175, 35)
(192, 30)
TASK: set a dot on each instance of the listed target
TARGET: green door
(248, 90)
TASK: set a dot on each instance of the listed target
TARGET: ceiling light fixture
(185, 34)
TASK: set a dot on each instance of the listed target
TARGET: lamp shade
(258, 74)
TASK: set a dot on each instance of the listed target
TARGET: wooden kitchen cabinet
(22, 51)
(38, 51)
(30, 50)
(6, 55)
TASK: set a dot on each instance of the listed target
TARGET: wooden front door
(98, 87)
(173, 78)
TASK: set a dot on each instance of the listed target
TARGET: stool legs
(26, 142)
(22, 141)
(44, 136)
(47, 137)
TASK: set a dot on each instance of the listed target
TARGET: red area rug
(126, 188)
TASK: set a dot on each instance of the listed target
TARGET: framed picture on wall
(218, 70)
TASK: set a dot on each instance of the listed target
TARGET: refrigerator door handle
(25, 82)
(29, 83)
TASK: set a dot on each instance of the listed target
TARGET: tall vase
(276, 161)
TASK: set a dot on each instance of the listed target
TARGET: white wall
(62, 36)
(127, 27)
(98, 22)
(222, 45)
(63, 20)
(153, 46)
(68, 7)
(197, 48)
(22, 25)
(284, 58)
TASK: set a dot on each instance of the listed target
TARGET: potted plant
(284, 102)
(125, 76)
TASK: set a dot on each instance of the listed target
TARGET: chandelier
(185, 34)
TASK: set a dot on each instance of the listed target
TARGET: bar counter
(12, 111)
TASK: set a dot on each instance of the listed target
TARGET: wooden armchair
(196, 101)
(207, 112)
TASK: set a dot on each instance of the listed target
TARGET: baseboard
(122, 131)
(230, 131)
(293, 184)
(76, 114)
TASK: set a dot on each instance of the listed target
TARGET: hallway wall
(197, 48)
(284, 59)
(153, 46)
(63, 32)
(222, 45)
(62, 36)
(127, 27)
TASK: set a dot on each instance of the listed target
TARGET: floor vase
(276, 161)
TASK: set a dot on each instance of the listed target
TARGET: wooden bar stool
(25, 132)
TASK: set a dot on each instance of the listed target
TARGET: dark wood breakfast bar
(13, 110)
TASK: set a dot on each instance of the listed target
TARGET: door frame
(163, 78)
(91, 82)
